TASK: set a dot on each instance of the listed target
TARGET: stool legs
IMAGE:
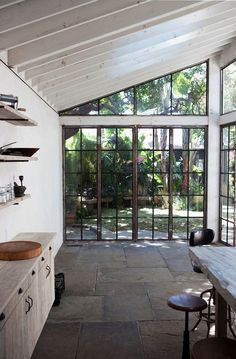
(186, 350)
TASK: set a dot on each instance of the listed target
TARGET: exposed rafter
(119, 24)
(72, 51)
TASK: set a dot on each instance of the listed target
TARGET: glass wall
(227, 184)
(180, 93)
(124, 183)
(229, 88)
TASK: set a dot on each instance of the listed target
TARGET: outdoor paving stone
(57, 341)
(135, 275)
(144, 257)
(127, 308)
(77, 308)
(118, 288)
(163, 339)
(109, 341)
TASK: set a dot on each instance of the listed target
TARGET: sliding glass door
(129, 183)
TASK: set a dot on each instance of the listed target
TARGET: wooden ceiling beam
(118, 24)
(123, 68)
(29, 11)
(112, 41)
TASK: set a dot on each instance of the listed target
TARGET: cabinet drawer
(14, 300)
(48, 252)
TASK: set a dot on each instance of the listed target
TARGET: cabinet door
(31, 317)
(46, 290)
(12, 335)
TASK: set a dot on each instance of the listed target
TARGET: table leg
(221, 316)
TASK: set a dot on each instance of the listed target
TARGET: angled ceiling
(72, 51)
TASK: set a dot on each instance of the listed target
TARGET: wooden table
(219, 266)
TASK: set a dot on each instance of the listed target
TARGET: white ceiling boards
(72, 51)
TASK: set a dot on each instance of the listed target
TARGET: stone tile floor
(115, 306)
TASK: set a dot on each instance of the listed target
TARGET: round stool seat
(217, 348)
(187, 303)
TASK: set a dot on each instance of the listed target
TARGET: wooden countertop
(12, 273)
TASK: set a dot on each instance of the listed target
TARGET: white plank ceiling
(73, 51)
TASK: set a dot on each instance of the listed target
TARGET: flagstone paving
(114, 305)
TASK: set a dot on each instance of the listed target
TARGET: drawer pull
(2, 316)
(33, 272)
(49, 271)
(42, 259)
(20, 291)
(29, 306)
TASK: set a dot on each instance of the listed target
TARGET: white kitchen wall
(43, 178)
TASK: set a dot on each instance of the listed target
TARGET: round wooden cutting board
(17, 250)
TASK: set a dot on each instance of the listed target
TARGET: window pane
(72, 161)
(72, 139)
(161, 161)
(180, 206)
(229, 88)
(189, 91)
(224, 231)
(180, 138)
(145, 138)
(89, 138)
(161, 138)
(90, 108)
(153, 97)
(124, 138)
(195, 223)
(224, 185)
(108, 138)
(120, 103)
(180, 228)
(160, 228)
(196, 161)
(225, 137)
(224, 161)
(196, 204)
(232, 136)
(196, 183)
(196, 138)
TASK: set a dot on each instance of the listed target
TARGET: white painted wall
(213, 147)
(43, 178)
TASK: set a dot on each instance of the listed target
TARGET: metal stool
(217, 348)
(186, 303)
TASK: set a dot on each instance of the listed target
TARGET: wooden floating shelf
(10, 158)
(14, 201)
(15, 117)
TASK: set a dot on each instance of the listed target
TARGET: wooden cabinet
(26, 298)
(46, 286)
